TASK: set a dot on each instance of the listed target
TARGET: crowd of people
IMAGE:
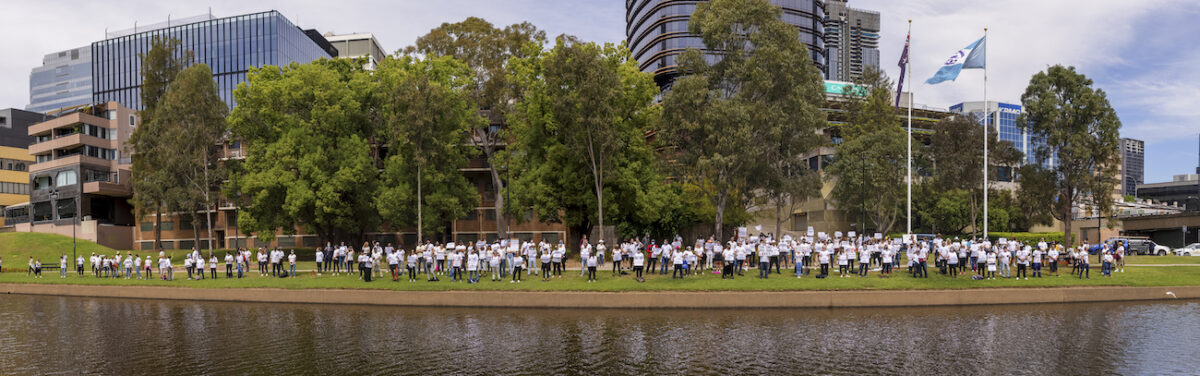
(514, 261)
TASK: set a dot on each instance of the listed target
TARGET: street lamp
(74, 240)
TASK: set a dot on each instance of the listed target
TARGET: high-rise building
(851, 40)
(357, 45)
(229, 46)
(63, 80)
(79, 182)
(1133, 156)
(1004, 119)
(657, 32)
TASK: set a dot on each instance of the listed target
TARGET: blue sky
(1139, 52)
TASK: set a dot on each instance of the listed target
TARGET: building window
(66, 208)
(112, 114)
(147, 226)
(550, 237)
(42, 211)
(66, 178)
(41, 182)
(132, 120)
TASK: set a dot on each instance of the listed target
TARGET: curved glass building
(657, 32)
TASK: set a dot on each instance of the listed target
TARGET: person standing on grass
(677, 263)
(1035, 259)
(228, 265)
(291, 264)
(764, 264)
(585, 251)
(37, 268)
(188, 264)
(518, 266)
(62, 266)
(556, 261)
(367, 265)
(864, 255)
(616, 257)
(1023, 258)
(591, 262)
(199, 267)
(1119, 258)
(952, 262)
(1106, 265)
(638, 260)
(1084, 267)
(393, 261)
(1003, 259)
(137, 266)
(885, 258)
(991, 265)
(411, 265)
(546, 260)
(319, 257)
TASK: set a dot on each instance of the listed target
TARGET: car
(1140, 246)
(1191, 250)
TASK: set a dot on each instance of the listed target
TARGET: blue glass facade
(227, 45)
(63, 80)
(657, 32)
(1004, 118)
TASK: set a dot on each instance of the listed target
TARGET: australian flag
(903, 66)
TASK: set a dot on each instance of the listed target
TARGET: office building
(1004, 120)
(1133, 154)
(80, 176)
(851, 40)
(357, 45)
(14, 155)
(229, 46)
(63, 80)
(1183, 190)
(656, 32)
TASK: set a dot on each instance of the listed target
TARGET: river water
(60, 335)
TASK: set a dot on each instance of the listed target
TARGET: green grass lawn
(571, 281)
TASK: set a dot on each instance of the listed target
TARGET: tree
(725, 120)
(583, 119)
(427, 120)
(150, 156)
(1080, 130)
(958, 159)
(192, 119)
(308, 164)
(486, 50)
(871, 162)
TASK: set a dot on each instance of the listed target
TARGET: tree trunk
(157, 227)
(196, 231)
(778, 217)
(420, 230)
(501, 220)
(721, 197)
(208, 211)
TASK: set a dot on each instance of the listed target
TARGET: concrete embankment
(634, 300)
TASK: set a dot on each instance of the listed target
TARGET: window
(65, 178)
(167, 226)
(286, 241)
(147, 226)
(66, 208)
(3, 121)
(489, 214)
(112, 114)
(471, 215)
(467, 238)
(42, 211)
(132, 120)
(550, 237)
(41, 182)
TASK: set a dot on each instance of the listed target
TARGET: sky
(1139, 52)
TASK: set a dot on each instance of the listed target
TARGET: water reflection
(53, 335)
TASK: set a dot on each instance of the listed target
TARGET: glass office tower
(63, 80)
(228, 45)
(657, 32)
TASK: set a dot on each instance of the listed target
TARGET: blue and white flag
(973, 56)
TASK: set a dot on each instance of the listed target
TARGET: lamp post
(74, 239)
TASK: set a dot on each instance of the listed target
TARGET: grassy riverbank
(1133, 276)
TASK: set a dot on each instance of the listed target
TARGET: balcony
(70, 141)
(65, 121)
(70, 160)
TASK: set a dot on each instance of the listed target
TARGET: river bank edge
(626, 300)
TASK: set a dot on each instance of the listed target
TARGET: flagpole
(986, 117)
(908, 177)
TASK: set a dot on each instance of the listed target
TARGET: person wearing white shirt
(885, 258)
(1035, 259)
(137, 267)
(518, 266)
(199, 265)
(584, 253)
(1106, 265)
(393, 261)
(638, 260)
(1003, 259)
(411, 265)
(62, 266)
(655, 254)
(367, 265)
(764, 262)
(952, 261)
(546, 260)
(456, 260)
(189, 264)
(590, 264)
(991, 265)
(1052, 260)
(557, 259)
(1084, 268)
(677, 262)
(864, 257)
